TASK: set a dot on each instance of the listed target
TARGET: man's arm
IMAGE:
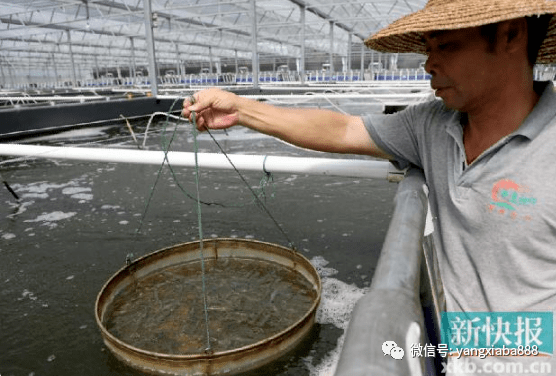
(316, 129)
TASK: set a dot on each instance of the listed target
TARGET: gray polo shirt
(495, 220)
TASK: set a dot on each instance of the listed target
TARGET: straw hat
(405, 34)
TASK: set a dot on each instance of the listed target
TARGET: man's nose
(431, 64)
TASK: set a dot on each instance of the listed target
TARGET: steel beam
(255, 56)
(150, 47)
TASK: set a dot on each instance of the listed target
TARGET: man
(487, 149)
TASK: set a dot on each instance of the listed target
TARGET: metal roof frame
(59, 35)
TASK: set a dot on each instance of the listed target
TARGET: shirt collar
(543, 112)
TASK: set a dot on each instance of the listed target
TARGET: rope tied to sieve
(258, 200)
(268, 177)
(166, 148)
(265, 181)
(200, 226)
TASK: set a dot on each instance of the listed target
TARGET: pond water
(77, 222)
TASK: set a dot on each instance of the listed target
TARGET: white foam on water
(82, 197)
(291, 179)
(34, 195)
(71, 134)
(52, 217)
(320, 263)
(105, 207)
(39, 187)
(27, 294)
(75, 190)
(340, 183)
(8, 236)
(337, 302)
(21, 207)
(78, 193)
(42, 189)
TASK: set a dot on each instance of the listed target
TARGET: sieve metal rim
(299, 259)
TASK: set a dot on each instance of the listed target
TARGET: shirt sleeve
(401, 134)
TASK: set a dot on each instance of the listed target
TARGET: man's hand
(214, 109)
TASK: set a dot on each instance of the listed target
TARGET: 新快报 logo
(521, 331)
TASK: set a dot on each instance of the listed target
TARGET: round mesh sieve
(261, 300)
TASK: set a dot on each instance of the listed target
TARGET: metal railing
(214, 79)
(405, 298)
(541, 72)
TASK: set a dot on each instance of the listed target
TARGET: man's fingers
(200, 122)
(203, 109)
(188, 102)
(190, 105)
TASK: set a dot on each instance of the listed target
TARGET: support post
(73, 75)
(237, 68)
(4, 83)
(130, 74)
(373, 65)
(56, 68)
(210, 60)
(11, 73)
(150, 47)
(331, 49)
(80, 73)
(349, 52)
(133, 62)
(254, 56)
(302, 64)
(178, 65)
(96, 65)
(363, 61)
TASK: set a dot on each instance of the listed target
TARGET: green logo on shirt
(509, 197)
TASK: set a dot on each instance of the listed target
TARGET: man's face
(464, 71)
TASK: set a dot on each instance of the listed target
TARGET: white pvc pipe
(420, 96)
(79, 98)
(355, 168)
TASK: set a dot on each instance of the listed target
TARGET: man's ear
(513, 35)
